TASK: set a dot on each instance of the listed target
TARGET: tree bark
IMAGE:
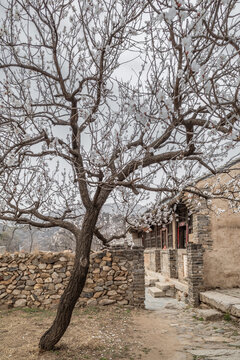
(76, 282)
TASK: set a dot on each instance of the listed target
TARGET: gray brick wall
(195, 272)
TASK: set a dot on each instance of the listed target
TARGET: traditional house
(174, 233)
(194, 243)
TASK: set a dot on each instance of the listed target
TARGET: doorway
(182, 236)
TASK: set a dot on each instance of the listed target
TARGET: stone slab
(180, 286)
(232, 357)
(150, 281)
(235, 310)
(170, 292)
(209, 314)
(156, 293)
(216, 339)
(162, 286)
(216, 352)
(219, 301)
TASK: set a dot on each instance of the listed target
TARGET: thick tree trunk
(75, 285)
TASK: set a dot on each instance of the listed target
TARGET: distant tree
(110, 228)
(8, 238)
(32, 235)
(62, 240)
(12, 237)
(5, 239)
(78, 125)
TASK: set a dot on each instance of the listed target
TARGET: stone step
(170, 292)
(156, 293)
(149, 281)
(225, 303)
(164, 286)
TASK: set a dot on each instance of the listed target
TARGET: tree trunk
(75, 285)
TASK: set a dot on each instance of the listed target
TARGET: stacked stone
(38, 280)
(115, 276)
(195, 272)
(33, 280)
(158, 260)
(136, 257)
(172, 253)
(202, 230)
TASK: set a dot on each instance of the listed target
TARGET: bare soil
(95, 333)
(159, 340)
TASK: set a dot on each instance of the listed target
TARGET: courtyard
(167, 329)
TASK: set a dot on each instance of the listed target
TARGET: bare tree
(10, 237)
(79, 126)
(110, 227)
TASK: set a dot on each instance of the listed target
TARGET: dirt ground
(160, 340)
(96, 333)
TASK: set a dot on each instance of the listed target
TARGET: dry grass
(95, 333)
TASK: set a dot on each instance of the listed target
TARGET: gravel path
(174, 331)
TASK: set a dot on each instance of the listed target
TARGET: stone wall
(181, 264)
(169, 263)
(152, 259)
(202, 230)
(195, 272)
(38, 280)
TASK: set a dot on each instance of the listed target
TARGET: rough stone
(98, 288)
(209, 314)
(98, 294)
(123, 302)
(42, 266)
(96, 271)
(3, 295)
(156, 293)
(111, 293)
(30, 282)
(44, 276)
(22, 267)
(106, 268)
(39, 280)
(215, 352)
(219, 301)
(106, 302)
(235, 310)
(20, 303)
(92, 302)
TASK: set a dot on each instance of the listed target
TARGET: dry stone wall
(115, 276)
